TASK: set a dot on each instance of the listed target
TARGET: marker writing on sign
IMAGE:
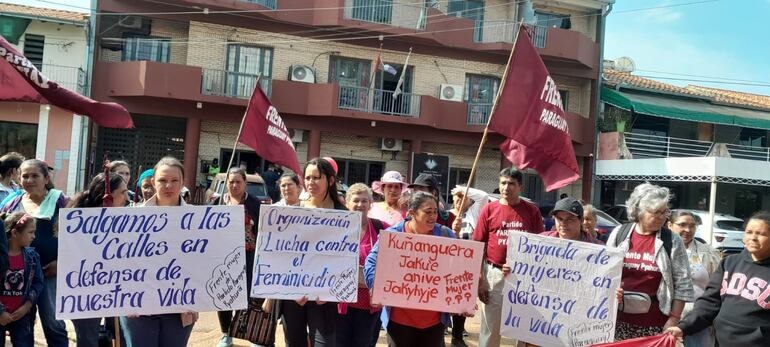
(112, 298)
(104, 223)
(284, 221)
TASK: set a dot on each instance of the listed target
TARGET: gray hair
(589, 209)
(646, 197)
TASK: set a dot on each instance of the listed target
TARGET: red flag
(22, 81)
(263, 130)
(529, 113)
(662, 340)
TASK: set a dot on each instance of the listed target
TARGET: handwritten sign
(427, 272)
(307, 252)
(560, 292)
(150, 260)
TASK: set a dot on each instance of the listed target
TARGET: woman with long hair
(10, 163)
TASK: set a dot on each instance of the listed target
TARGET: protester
(704, 260)
(496, 220)
(359, 323)
(23, 284)
(122, 168)
(406, 326)
(390, 186)
(236, 195)
(144, 184)
(212, 173)
(162, 330)
(271, 176)
(313, 317)
(656, 273)
(568, 222)
(735, 301)
(87, 329)
(41, 201)
(290, 189)
(429, 184)
(590, 220)
(9, 174)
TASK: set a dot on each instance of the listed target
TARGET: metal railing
(70, 77)
(388, 12)
(379, 101)
(748, 152)
(505, 31)
(271, 4)
(652, 146)
(233, 84)
(478, 113)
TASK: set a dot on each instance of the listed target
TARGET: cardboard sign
(427, 272)
(560, 292)
(150, 260)
(307, 252)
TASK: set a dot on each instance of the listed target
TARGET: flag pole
(400, 78)
(235, 143)
(486, 128)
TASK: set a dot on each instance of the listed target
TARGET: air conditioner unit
(391, 144)
(131, 22)
(451, 92)
(301, 73)
(297, 135)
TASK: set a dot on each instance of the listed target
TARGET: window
(147, 48)
(458, 176)
(564, 98)
(466, 9)
(553, 20)
(648, 125)
(359, 171)
(33, 49)
(377, 11)
(244, 64)
(18, 137)
(352, 75)
(534, 189)
(480, 93)
(753, 137)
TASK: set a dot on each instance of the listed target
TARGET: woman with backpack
(656, 272)
(358, 324)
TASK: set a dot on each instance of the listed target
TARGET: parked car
(619, 213)
(728, 231)
(605, 223)
(255, 186)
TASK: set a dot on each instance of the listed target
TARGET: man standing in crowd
(271, 177)
(496, 220)
(213, 171)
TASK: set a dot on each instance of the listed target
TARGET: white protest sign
(427, 272)
(560, 292)
(150, 260)
(307, 252)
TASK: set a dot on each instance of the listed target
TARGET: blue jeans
(358, 328)
(87, 331)
(161, 330)
(21, 332)
(55, 331)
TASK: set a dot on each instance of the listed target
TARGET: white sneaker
(225, 341)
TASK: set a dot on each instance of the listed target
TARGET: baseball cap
(425, 180)
(570, 205)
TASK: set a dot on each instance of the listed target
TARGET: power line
(703, 76)
(707, 81)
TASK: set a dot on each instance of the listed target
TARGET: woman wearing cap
(656, 272)
(390, 186)
(144, 185)
(429, 184)
(568, 222)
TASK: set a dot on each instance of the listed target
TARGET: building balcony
(506, 31)
(233, 84)
(643, 146)
(69, 77)
(379, 101)
(387, 12)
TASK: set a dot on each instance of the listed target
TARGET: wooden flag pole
(486, 128)
(116, 341)
(235, 143)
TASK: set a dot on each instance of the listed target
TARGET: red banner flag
(529, 113)
(662, 340)
(264, 131)
(21, 81)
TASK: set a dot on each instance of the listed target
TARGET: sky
(697, 41)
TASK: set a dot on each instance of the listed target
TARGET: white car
(728, 231)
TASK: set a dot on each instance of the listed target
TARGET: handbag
(635, 303)
(254, 325)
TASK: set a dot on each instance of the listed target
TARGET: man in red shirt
(496, 220)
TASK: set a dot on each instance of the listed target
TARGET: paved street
(206, 334)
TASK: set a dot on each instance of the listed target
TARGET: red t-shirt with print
(497, 220)
(13, 288)
(641, 274)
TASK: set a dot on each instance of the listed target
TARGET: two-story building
(55, 42)
(186, 79)
(706, 145)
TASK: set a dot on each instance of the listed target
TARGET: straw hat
(389, 177)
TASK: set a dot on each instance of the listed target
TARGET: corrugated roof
(43, 13)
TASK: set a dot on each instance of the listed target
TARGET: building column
(415, 147)
(192, 138)
(42, 132)
(314, 144)
(588, 164)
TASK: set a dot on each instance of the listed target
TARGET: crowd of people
(672, 282)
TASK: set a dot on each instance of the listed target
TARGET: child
(23, 280)
(737, 299)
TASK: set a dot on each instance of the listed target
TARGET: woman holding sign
(302, 316)
(656, 273)
(162, 330)
(406, 326)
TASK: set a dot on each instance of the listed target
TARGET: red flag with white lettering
(529, 113)
(263, 130)
(21, 81)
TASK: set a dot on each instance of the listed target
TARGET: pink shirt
(387, 215)
(367, 243)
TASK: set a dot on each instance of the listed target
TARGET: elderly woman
(656, 273)
(288, 186)
(144, 185)
(390, 187)
(704, 260)
(359, 323)
(42, 201)
(568, 215)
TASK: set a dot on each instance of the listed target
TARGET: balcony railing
(233, 84)
(379, 101)
(652, 146)
(478, 113)
(69, 77)
(271, 4)
(505, 31)
(748, 152)
(387, 12)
